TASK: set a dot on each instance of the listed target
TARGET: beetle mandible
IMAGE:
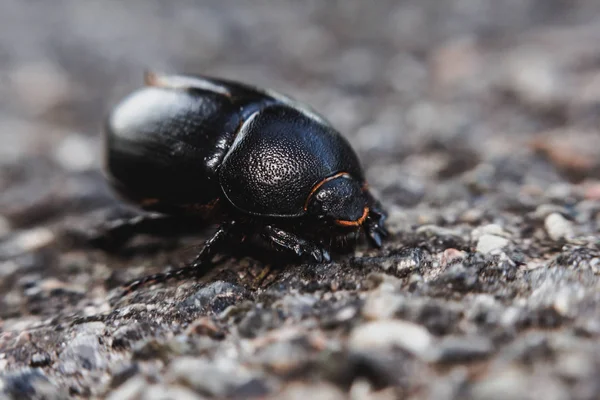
(260, 164)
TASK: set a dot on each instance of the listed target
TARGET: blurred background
(426, 90)
(477, 122)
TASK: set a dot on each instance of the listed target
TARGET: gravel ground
(477, 121)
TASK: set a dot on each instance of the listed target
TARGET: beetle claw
(320, 255)
(375, 225)
(376, 234)
(375, 238)
(317, 255)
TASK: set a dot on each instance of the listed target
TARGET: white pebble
(558, 227)
(75, 153)
(391, 333)
(488, 243)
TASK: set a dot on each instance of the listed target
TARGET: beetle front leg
(199, 266)
(290, 242)
(374, 225)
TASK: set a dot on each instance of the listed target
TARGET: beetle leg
(290, 242)
(117, 233)
(374, 225)
(196, 268)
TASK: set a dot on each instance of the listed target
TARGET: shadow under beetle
(259, 163)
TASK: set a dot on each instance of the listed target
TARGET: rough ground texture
(477, 122)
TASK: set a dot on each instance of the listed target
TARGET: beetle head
(339, 199)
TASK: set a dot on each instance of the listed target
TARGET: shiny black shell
(189, 141)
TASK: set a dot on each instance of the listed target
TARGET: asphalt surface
(477, 123)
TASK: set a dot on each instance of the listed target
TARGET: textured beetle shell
(166, 144)
(186, 140)
(279, 155)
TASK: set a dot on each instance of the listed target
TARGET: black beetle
(259, 163)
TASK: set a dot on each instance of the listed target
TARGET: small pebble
(75, 153)
(205, 326)
(558, 227)
(283, 357)
(216, 296)
(454, 349)
(29, 383)
(544, 210)
(592, 190)
(218, 378)
(451, 255)
(382, 305)
(125, 336)
(575, 366)
(472, 216)
(391, 333)
(488, 243)
(536, 80)
(431, 230)
(83, 353)
(510, 383)
(304, 391)
(26, 241)
(173, 392)
(130, 390)
(489, 229)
